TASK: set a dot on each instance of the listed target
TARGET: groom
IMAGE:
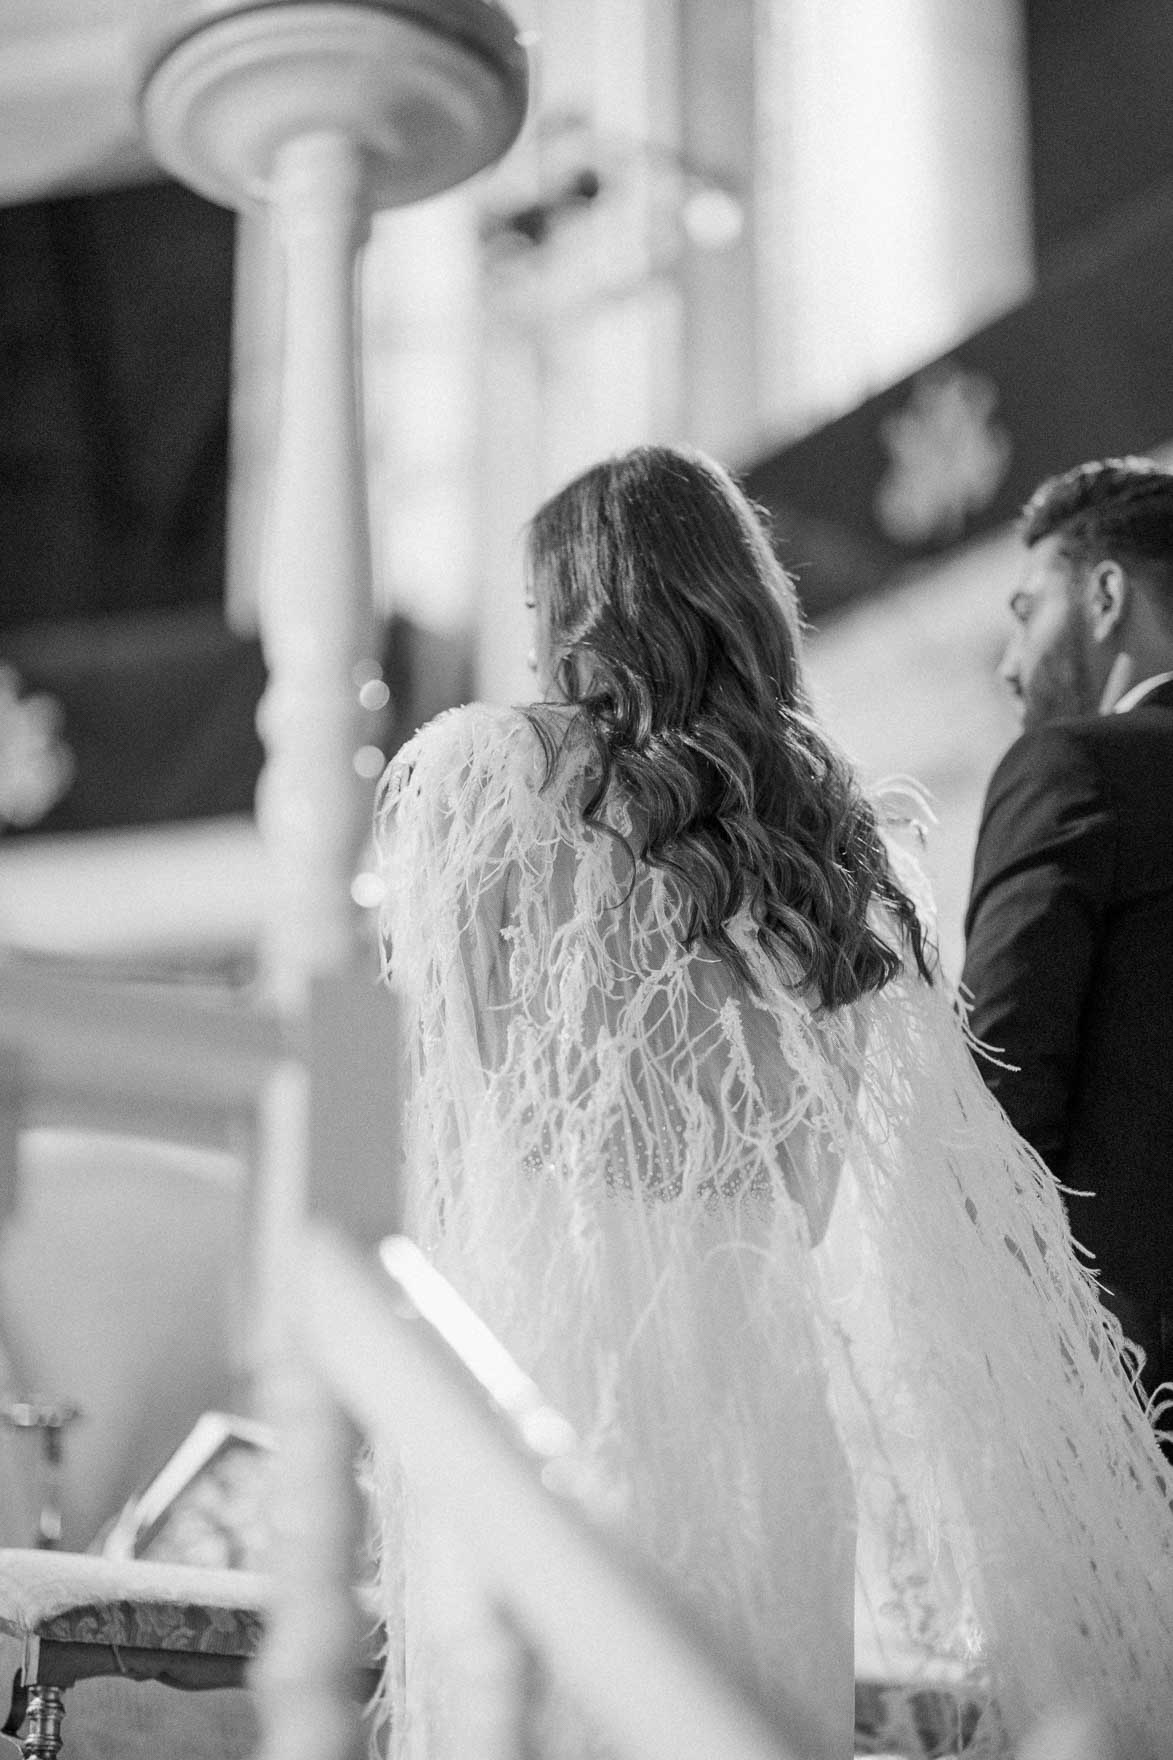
(1069, 932)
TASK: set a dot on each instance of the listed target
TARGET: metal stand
(42, 1738)
(52, 1420)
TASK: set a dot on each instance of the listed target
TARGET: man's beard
(1061, 685)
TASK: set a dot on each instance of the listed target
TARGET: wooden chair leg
(46, 1708)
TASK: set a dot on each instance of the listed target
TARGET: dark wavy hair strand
(675, 632)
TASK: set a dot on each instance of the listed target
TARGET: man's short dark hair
(1117, 507)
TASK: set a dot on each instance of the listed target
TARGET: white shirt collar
(1132, 697)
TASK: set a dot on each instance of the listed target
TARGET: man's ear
(1108, 592)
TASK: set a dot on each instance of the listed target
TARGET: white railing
(79, 1049)
(410, 1365)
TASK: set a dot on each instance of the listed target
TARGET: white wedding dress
(625, 1161)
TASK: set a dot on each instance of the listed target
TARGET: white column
(511, 483)
(893, 213)
(599, 369)
(717, 132)
(316, 616)
(420, 340)
(258, 351)
(317, 630)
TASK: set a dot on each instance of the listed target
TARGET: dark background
(1098, 81)
(115, 332)
(115, 365)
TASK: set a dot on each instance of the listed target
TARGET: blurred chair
(74, 1618)
(117, 1293)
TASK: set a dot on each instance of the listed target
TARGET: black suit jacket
(1069, 961)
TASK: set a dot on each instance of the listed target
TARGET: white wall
(907, 684)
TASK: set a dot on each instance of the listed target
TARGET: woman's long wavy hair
(669, 624)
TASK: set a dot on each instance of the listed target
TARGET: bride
(673, 1009)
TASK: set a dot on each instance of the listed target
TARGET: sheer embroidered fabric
(626, 1162)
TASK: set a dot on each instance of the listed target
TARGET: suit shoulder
(1050, 816)
(1096, 759)
(1055, 761)
(1147, 728)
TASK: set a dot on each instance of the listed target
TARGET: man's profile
(1069, 931)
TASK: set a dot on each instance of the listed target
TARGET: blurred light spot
(363, 671)
(367, 890)
(369, 761)
(547, 1431)
(712, 218)
(374, 694)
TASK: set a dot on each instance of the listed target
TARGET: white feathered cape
(619, 1157)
